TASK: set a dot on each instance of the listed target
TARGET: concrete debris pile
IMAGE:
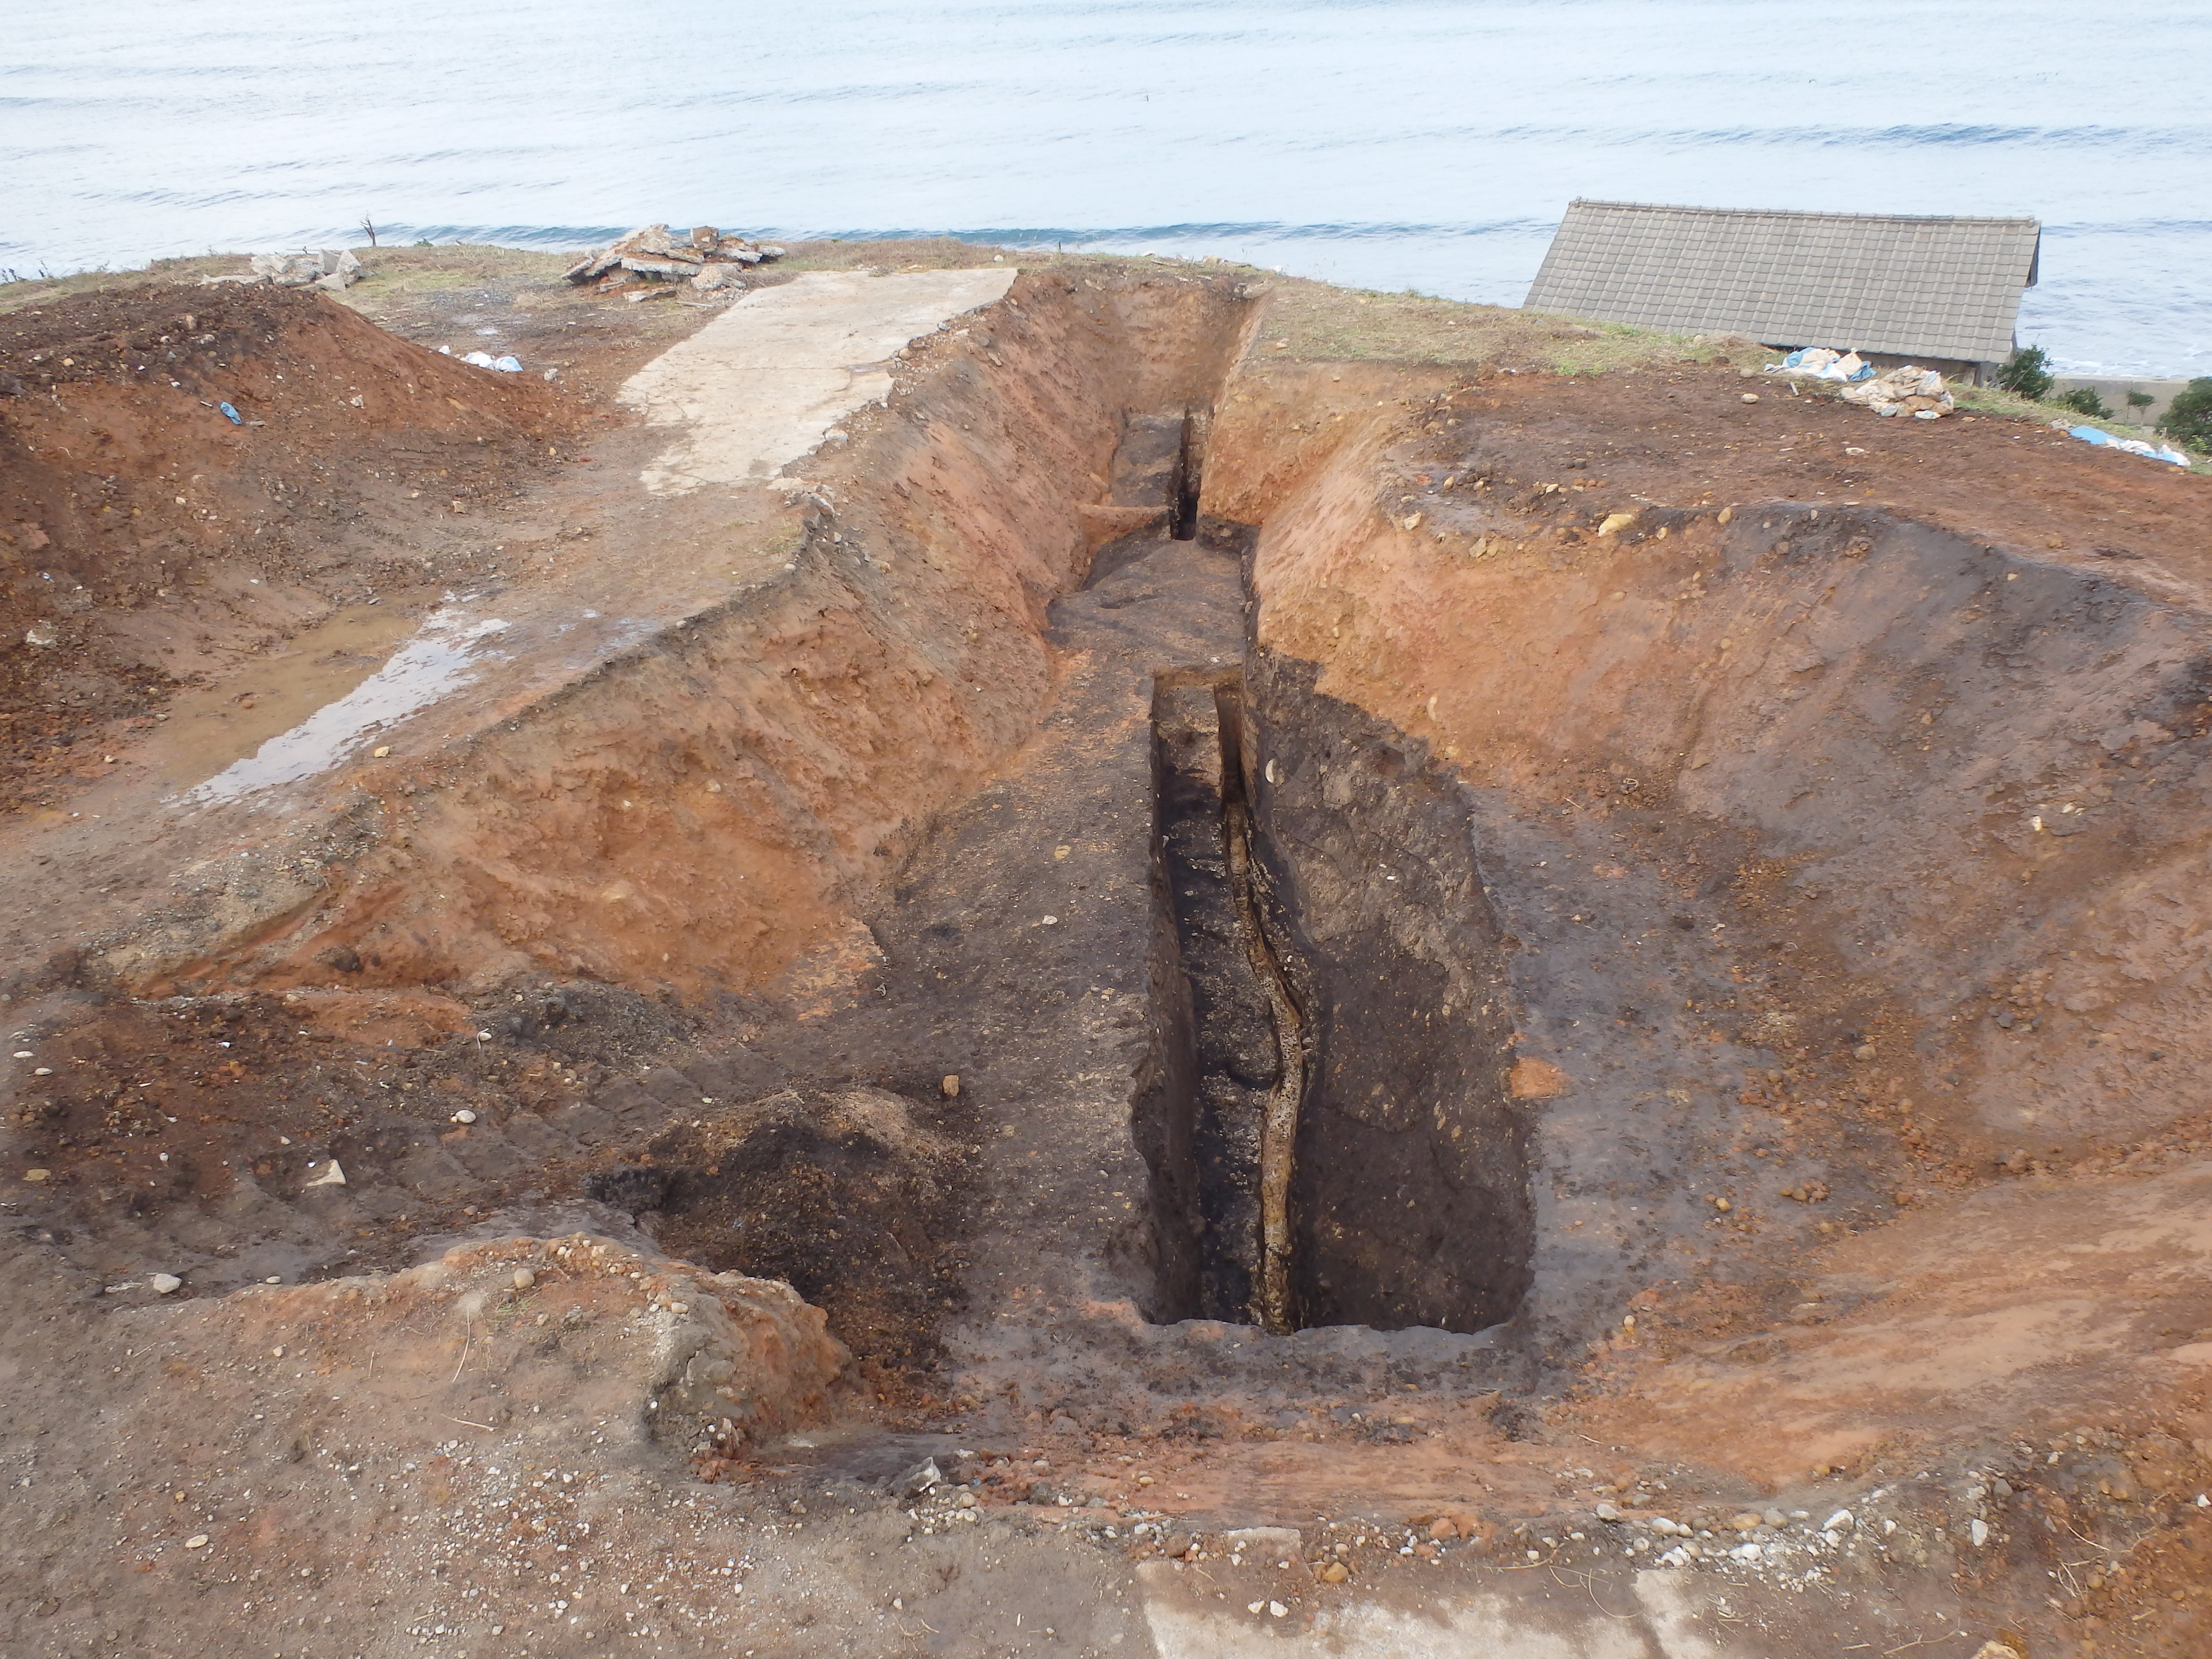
(1819, 363)
(334, 269)
(1908, 391)
(702, 256)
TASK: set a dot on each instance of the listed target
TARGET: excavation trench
(1214, 917)
(1249, 1039)
(1153, 828)
(1011, 661)
(1337, 1095)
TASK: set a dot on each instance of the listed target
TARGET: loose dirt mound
(492, 1413)
(145, 537)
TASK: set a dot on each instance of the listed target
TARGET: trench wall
(1978, 771)
(711, 813)
(1409, 1200)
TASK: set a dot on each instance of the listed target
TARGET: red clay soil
(145, 538)
(1805, 1037)
(1903, 725)
(1685, 437)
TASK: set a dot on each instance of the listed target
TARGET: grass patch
(389, 273)
(36, 290)
(1321, 322)
(2008, 405)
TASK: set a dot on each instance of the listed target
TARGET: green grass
(33, 291)
(2006, 405)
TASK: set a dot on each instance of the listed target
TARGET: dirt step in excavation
(1356, 988)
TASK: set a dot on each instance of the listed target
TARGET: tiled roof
(1888, 282)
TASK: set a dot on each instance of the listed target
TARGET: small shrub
(2139, 401)
(2027, 373)
(2083, 399)
(2188, 418)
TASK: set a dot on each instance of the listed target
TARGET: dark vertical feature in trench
(1245, 1070)
(1189, 476)
(1331, 1135)
(1410, 1200)
(1159, 465)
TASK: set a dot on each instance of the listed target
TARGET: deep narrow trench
(1279, 1120)
(1236, 1067)
(1333, 1141)
(1251, 1036)
(1190, 477)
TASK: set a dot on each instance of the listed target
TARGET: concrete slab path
(767, 380)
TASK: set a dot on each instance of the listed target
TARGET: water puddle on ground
(300, 709)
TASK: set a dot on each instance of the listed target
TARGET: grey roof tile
(1888, 282)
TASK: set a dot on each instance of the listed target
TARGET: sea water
(1386, 143)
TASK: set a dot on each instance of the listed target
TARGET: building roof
(1887, 283)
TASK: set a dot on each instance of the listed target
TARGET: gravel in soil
(825, 1151)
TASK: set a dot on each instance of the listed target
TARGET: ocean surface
(1387, 143)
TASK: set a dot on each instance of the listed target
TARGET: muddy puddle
(307, 703)
(449, 647)
(211, 727)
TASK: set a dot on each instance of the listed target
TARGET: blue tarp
(2097, 434)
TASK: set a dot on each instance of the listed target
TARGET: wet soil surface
(149, 540)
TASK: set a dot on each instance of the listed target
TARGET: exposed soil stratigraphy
(1477, 969)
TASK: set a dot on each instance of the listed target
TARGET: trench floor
(1020, 955)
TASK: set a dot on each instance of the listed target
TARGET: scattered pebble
(464, 1116)
(950, 1087)
(523, 1279)
(199, 1540)
(37, 1175)
(163, 1284)
(1751, 397)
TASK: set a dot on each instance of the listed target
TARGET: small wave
(1037, 236)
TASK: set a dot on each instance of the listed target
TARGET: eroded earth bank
(958, 959)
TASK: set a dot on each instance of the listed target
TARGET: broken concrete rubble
(707, 258)
(334, 268)
(1908, 391)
